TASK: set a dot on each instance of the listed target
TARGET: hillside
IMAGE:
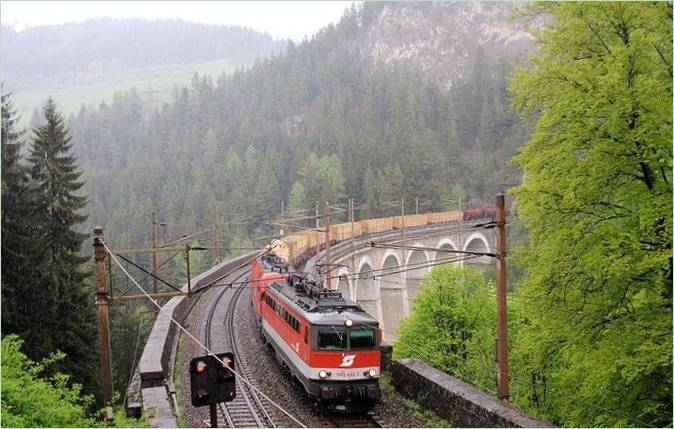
(439, 39)
(75, 51)
(321, 121)
(84, 63)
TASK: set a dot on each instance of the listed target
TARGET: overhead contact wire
(199, 343)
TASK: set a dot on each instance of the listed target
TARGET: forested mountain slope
(319, 122)
(439, 39)
(85, 63)
(70, 51)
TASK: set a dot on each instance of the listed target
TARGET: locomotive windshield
(362, 338)
(332, 338)
(340, 338)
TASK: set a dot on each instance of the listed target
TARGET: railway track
(248, 409)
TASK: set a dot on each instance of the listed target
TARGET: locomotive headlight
(348, 323)
(323, 373)
(372, 372)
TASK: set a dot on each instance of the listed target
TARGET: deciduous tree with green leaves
(597, 200)
(31, 401)
(452, 325)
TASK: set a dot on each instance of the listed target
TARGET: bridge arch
(392, 292)
(477, 242)
(344, 284)
(446, 244)
(391, 262)
(367, 288)
(417, 265)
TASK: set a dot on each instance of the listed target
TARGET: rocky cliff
(440, 38)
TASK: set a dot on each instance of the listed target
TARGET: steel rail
(247, 409)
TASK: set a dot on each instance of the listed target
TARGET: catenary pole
(103, 320)
(153, 238)
(501, 310)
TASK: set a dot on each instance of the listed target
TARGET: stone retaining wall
(455, 400)
(155, 366)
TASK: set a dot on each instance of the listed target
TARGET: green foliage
(296, 198)
(130, 325)
(45, 297)
(321, 180)
(196, 265)
(120, 420)
(18, 216)
(597, 200)
(452, 325)
(310, 122)
(28, 400)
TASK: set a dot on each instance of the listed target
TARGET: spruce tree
(62, 307)
(17, 238)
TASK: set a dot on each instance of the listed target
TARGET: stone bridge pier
(384, 281)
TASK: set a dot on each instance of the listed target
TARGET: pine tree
(62, 308)
(371, 195)
(18, 240)
(296, 201)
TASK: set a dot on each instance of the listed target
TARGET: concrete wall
(455, 400)
(156, 363)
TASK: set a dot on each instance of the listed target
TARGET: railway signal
(212, 380)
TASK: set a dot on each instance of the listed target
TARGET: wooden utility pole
(351, 219)
(283, 217)
(461, 232)
(416, 205)
(103, 320)
(501, 310)
(187, 268)
(216, 235)
(327, 246)
(402, 215)
(318, 226)
(153, 238)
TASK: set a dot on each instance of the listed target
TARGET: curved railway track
(248, 409)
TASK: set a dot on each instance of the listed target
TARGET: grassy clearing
(154, 83)
(429, 418)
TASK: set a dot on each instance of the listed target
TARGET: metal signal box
(211, 381)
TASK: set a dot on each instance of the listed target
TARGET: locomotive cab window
(331, 338)
(362, 338)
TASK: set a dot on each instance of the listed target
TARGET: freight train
(329, 344)
(303, 243)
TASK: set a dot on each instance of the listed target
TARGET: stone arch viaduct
(385, 278)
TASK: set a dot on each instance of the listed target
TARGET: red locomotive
(328, 343)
